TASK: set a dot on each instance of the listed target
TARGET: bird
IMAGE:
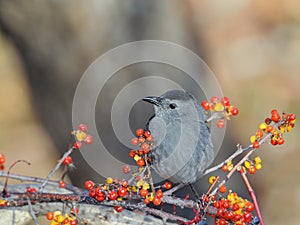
(183, 148)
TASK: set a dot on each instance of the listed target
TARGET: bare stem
(55, 169)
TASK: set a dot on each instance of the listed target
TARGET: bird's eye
(172, 106)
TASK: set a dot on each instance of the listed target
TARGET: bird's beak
(153, 100)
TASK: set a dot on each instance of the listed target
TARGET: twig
(39, 180)
(55, 169)
(4, 191)
(32, 212)
(252, 194)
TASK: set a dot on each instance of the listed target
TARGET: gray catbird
(182, 140)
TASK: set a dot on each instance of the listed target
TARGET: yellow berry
(146, 185)
(80, 136)
(109, 180)
(60, 218)
(258, 166)
(134, 188)
(247, 164)
(262, 126)
(252, 139)
(136, 157)
(219, 107)
(211, 179)
(282, 130)
(289, 128)
(54, 223)
(139, 183)
(56, 213)
(257, 159)
(119, 199)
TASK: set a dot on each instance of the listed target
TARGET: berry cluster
(119, 190)
(144, 141)
(222, 107)
(2, 161)
(81, 136)
(57, 218)
(253, 165)
(275, 126)
(233, 209)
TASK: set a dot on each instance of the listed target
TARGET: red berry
(168, 185)
(217, 204)
(280, 141)
(74, 222)
(292, 117)
(122, 191)
(50, 216)
(126, 169)
(68, 160)
(228, 215)
(82, 127)
(147, 133)
(2, 159)
(92, 193)
(247, 217)
(146, 201)
(275, 117)
(225, 168)
(268, 121)
(234, 111)
(66, 221)
(256, 144)
(150, 138)
(221, 123)
(143, 192)
(205, 104)
(140, 162)
(62, 184)
(135, 141)
(223, 189)
(249, 207)
(132, 153)
(89, 184)
(141, 139)
(274, 111)
(112, 195)
(222, 221)
(220, 212)
(139, 132)
(77, 145)
(225, 101)
(235, 207)
(118, 208)
(100, 198)
(159, 193)
(145, 146)
(88, 140)
(30, 190)
(156, 201)
(252, 170)
(226, 204)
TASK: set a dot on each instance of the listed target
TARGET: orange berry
(223, 189)
(256, 144)
(139, 132)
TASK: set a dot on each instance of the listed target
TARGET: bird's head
(176, 104)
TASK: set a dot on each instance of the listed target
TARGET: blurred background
(253, 47)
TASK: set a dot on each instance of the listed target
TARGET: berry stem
(252, 194)
(32, 212)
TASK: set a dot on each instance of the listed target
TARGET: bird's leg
(172, 190)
